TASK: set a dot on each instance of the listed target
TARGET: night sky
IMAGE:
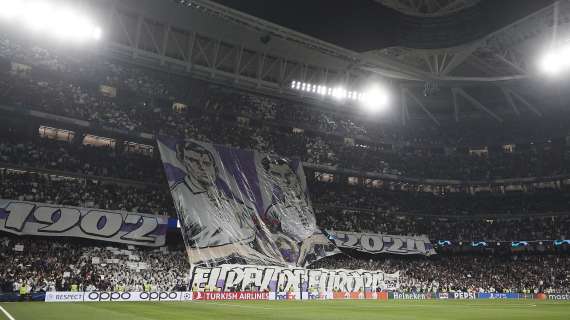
(363, 25)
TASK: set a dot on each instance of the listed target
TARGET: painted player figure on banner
(289, 215)
(217, 223)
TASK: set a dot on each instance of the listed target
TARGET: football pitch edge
(291, 310)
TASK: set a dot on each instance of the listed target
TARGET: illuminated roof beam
(490, 38)
(510, 101)
(428, 8)
(455, 105)
(422, 106)
(510, 58)
(458, 58)
(526, 103)
(476, 103)
(404, 103)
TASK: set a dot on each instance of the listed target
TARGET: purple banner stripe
(3, 213)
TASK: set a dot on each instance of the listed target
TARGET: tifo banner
(241, 206)
(229, 278)
(382, 243)
(30, 218)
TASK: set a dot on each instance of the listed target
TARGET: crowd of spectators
(144, 102)
(84, 192)
(76, 265)
(79, 159)
(82, 65)
(467, 273)
(461, 216)
(134, 99)
(504, 229)
(551, 200)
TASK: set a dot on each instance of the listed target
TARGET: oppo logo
(108, 296)
(158, 296)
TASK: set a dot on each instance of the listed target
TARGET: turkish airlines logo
(230, 296)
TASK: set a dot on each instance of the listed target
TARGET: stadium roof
(492, 75)
(364, 25)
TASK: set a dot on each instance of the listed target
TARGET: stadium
(316, 159)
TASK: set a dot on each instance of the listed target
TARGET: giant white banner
(382, 243)
(241, 206)
(227, 278)
(30, 218)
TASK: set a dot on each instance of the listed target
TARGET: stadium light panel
(63, 23)
(339, 93)
(97, 33)
(51, 18)
(551, 63)
(37, 15)
(83, 29)
(10, 8)
(375, 99)
(556, 61)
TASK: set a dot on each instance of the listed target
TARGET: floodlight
(63, 25)
(83, 28)
(52, 19)
(37, 15)
(339, 93)
(375, 99)
(97, 33)
(10, 8)
(551, 63)
(556, 60)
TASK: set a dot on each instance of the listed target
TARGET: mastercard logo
(541, 296)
